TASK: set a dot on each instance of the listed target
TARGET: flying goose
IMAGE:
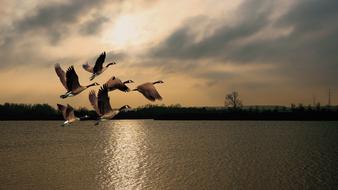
(115, 83)
(149, 91)
(70, 81)
(98, 67)
(102, 106)
(68, 114)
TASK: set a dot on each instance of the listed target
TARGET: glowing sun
(124, 32)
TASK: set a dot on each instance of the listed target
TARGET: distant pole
(225, 101)
(329, 97)
(314, 101)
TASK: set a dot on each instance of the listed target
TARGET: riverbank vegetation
(12, 111)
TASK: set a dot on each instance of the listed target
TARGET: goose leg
(92, 77)
(67, 94)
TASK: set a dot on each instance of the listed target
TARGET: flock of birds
(100, 103)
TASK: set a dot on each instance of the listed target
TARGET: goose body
(115, 83)
(70, 81)
(68, 114)
(149, 91)
(98, 67)
(101, 104)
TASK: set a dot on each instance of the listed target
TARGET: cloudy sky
(271, 52)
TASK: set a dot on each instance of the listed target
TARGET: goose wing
(88, 67)
(70, 113)
(99, 62)
(62, 109)
(103, 100)
(93, 101)
(72, 79)
(149, 91)
(61, 74)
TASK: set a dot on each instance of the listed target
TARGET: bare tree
(232, 100)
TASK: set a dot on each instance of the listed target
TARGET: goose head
(128, 81)
(159, 81)
(93, 84)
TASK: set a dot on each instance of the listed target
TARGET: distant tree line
(177, 112)
(11, 111)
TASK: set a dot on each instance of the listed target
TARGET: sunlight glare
(126, 141)
(125, 32)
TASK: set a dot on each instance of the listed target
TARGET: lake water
(147, 154)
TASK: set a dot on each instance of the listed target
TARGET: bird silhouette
(68, 114)
(149, 91)
(115, 83)
(70, 81)
(98, 67)
(101, 104)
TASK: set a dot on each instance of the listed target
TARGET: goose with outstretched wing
(101, 104)
(98, 67)
(70, 81)
(149, 91)
(115, 83)
(68, 114)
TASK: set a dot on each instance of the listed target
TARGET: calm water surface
(146, 154)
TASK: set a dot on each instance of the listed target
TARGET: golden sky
(271, 52)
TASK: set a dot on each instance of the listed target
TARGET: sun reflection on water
(124, 155)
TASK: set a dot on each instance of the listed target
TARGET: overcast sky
(271, 52)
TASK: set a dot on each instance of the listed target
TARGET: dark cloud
(313, 38)
(22, 39)
(21, 43)
(182, 43)
(56, 19)
(93, 26)
(308, 51)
